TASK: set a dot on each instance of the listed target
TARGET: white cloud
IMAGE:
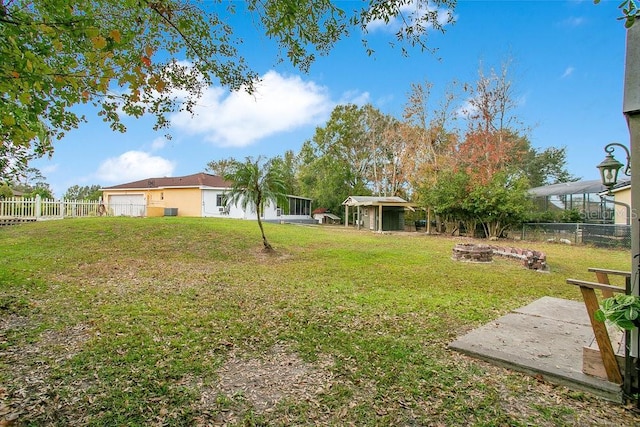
(49, 169)
(237, 119)
(354, 97)
(132, 166)
(158, 143)
(573, 21)
(567, 72)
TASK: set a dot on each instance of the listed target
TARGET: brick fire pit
(471, 252)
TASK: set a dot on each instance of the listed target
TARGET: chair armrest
(607, 271)
(595, 285)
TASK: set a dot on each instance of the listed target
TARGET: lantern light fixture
(610, 166)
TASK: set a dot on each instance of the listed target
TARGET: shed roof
(328, 215)
(576, 187)
(196, 180)
(377, 201)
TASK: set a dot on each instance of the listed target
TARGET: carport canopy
(378, 201)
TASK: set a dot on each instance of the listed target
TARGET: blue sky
(567, 66)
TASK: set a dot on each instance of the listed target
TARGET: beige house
(622, 203)
(197, 195)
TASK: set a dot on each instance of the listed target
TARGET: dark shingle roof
(195, 180)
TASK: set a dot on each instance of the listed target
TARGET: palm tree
(254, 183)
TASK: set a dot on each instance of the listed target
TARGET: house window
(221, 200)
(161, 196)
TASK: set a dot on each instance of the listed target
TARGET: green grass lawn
(178, 321)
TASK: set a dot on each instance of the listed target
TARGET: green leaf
(626, 324)
(631, 313)
(92, 32)
(627, 300)
(8, 120)
(599, 315)
(629, 22)
(25, 98)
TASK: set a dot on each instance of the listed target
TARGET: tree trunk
(470, 228)
(267, 246)
(493, 230)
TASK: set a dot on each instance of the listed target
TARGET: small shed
(323, 216)
(377, 213)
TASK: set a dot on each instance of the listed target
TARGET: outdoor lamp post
(610, 167)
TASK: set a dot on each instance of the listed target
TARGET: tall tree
(496, 205)
(356, 152)
(256, 182)
(156, 56)
(494, 140)
(429, 138)
(393, 181)
(500, 204)
(31, 183)
(383, 144)
(221, 167)
(546, 167)
(449, 198)
(482, 176)
(288, 164)
(334, 163)
(325, 178)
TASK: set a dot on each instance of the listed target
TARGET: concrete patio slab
(544, 338)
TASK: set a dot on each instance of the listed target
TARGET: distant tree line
(86, 192)
(31, 183)
(468, 159)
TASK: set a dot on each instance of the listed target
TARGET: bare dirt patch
(263, 382)
(271, 256)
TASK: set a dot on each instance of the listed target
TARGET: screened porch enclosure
(581, 198)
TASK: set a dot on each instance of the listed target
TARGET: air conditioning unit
(220, 209)
(170, 211)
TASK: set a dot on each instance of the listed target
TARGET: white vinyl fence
(37, 209)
